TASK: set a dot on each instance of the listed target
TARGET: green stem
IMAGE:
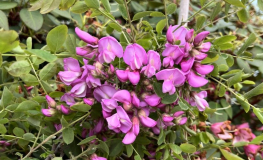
(52, 135)
(9, 83)
(130, 22)
(30, 62)
(165, 12)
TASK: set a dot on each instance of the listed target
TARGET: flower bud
(51, 102)
(89, 101)
(48, 112)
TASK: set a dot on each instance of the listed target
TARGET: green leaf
(106, 5)
(243, 15)
(243, 65)
(3, 20)
(257, 140)
(32, 19)
(224, 39)
(230, 156)
(168, 99)
(123, 11)
(203, 137)
(141, 15)
(4, 120)
(237, 3)
(7, 5)
(64, 122)
(80, 107)
(79, 7)
(157, 86)
(251, 39)
(104, 147)
(26, 105)
(57, 158)
(119, 1)
(66, 4)
(87, 140)
(71, 44)
(254, 92)
(176, 149)
(2, 129)
(157, 14)
(7, 97)
(137, 157)
(29, 79)
(240, 144)
(183, 106)
(216, 10)
(8, 41)
(235, 79)
(116, 147)
(115, 26)
(19, 68)
(260, 4)
(136, 6)
(188, 148)
(18, 132)
(56, 37)
(33, 121)
(200, 20)
(230, 61)
(171, 8)
(129, 150)
(48, 71)
(56, 94)
(210, 136)
(161, 137)
(29, 136)
(45, 55)
(93, 3)
(248, 82)
(243, 102)
(68, 135)
(259, 114)
(229, 110)
(202, 2)
(145, 43)
(49, 5)
(160, 25)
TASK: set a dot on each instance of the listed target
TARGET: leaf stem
(130, 22)
(165, 12)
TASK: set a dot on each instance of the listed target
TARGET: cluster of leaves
(31, 52)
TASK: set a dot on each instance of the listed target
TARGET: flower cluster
(238, 133)
(126, 95)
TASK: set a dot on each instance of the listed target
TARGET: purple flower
(203, 69)
(79, 89)
(135, 100)
(68, 99)
(154, 64)
(86, 37)
(173, 54)
(88, 51)
(251, 150)
(64, 109)
(109, 48)
(152, 100)
(195, 80)
(200, 37)
(145, 120)
(199, 101)
(189, 37)
(92, 81)
(58, 127)
(135, 56)
(204, 47)
(124, 75)
(180, 120)
(109, 104)
(178, 35)
(104, 92)
(48, 112)
(172, 78)
(99, 126)
(72, 71)
(51, 102)
(95, 157)
(134, 131)
(187, 64)
(89, 101)
(124, 97)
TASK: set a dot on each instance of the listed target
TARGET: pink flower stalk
(199, 101)
(135, 56)
(172, 78)
(145, 120)
(109, 48)
(152, 100)
(68, 99)
(219, 130)
(133, 133)
(48, 112)
(104, 92)
(51, 102)
(95, 157)
(72, 71)
(89, 101)
(251, 150)
(120, 121)
(86, 37)
(88, 51)
(178, 35)
(79, 89)
(124, 75)
(173, 55)
(154, 64)
(200, 37)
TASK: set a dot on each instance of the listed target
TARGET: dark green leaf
(183, 106)
(3, 20)
(106, 5)
(230, 156)
(19, 68)
(115, 26)
(79, 7)
(71, 44)
(104, 147)
(235, 79)
(243, 102)
(2, 129)
(56, 37)
(137, 157)
(188, 148)
(66, 4)
(129, 150)
(18, 132)
(168, 99)
(45, 55)
(32, 19)
(29, 79)
(87, 140)
(254, 92)
(7, 5)
(243, 65)
(7, 97)
(4, 120)
(116, 147)
(123, 11)
(26, 105)
(225, 104)
(171, 8)
(157, 14)
(176, 149)
(141, 15)
(29, 136)
(161, 137)
(68, 135)
(216, 10)
(56, 94)
(259, 114)
(93, 3)
(80, 107)
(48, 71)
(251, 39)
(157, 86)
(200, 20)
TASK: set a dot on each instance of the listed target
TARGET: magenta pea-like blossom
(152, 100)
(200, 37)
(109, 104)
(68, 98)
(173, 55)
(79, 89)
(154, 64)
(95, 157)
(178, 35)
(251, 150)
(108, 49)
(48, 112)
(199, 101)
(125, 75)
(88, 51)
(135, 56)
(51, 102)
(172, 78)
(86, 37)
(104, 92)
(195, 80)
(133, 133)
(203, 69)
(145, 120)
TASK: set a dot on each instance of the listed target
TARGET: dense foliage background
(35, 36)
